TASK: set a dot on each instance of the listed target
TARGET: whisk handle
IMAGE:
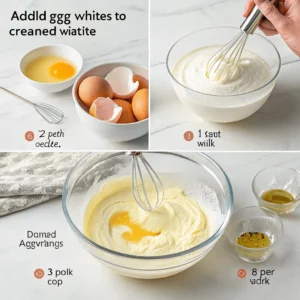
(251, 22)
(21, 98)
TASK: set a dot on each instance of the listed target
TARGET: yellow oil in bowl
(254, 240)
(279, 201)
(277, 196)
(255, 246)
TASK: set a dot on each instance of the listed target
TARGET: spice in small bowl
(254, 232)
(254, 240)
(278, 189)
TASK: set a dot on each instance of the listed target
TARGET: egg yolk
(136, 233)
(62, 70)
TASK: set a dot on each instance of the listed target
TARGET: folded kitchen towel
(30, 178)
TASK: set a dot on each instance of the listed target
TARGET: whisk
(139, 187)
(50, 113)
(224, 62)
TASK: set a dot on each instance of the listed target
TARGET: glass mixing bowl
(223, 108)
(88, 175)
(277, 178)
(254, 219)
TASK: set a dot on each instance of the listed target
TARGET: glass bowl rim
(259, 249)
(258, 197)
(205, 243)
(224, 96)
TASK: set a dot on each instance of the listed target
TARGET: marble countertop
(273, 127)
(215, 277)
(115, 41)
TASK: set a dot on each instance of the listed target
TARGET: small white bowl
(63, 51)
(110, 131)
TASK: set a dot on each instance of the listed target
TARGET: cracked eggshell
(127, 115)
(122, 83)
(92, 88)
(143, 82)
(106, 109)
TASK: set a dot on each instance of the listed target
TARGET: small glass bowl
(254, 219)
(282, 178)
(223, 108)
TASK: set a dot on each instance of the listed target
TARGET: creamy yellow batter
(112, 219)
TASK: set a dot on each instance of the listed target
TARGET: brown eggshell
(124, 97)
(92, 88)
(127, 115)
(143, 82)
(140, 104)
(92, 110)
(105, 109)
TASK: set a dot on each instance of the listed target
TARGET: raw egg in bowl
(51, 68)
(111, 100)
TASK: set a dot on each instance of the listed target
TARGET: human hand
(283, 19)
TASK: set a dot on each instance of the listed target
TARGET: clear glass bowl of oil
(254, 233)
(278, 189)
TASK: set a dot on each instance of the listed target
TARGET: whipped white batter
(252, 72)
(179, 220)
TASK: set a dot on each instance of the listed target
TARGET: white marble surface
(273, 127)
(215, 277)
(115, 41)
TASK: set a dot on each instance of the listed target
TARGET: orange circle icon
(39, 273)
(188, 136)
(242, 273)
(29, 136)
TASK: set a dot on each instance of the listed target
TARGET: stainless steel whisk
(50, 113)
(139, 187)
(225, 61)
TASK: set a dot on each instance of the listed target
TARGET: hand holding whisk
(224, 63)
(50, 113)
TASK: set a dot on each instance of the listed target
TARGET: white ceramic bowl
(63, 51)
(110, 131)
(225, 108)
